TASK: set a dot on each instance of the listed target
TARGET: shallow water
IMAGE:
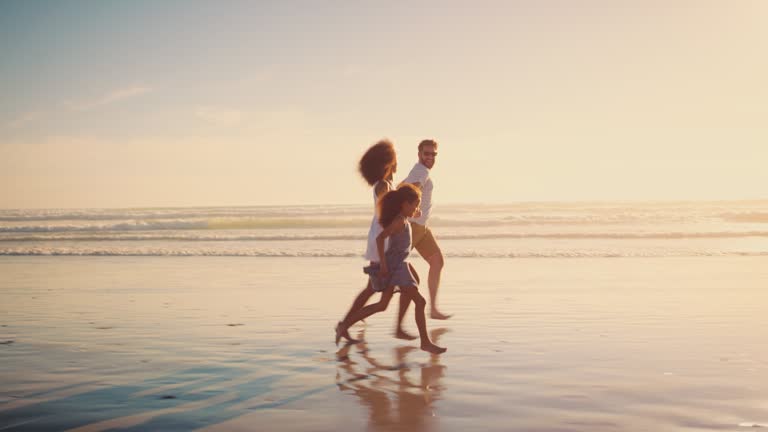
(230, 343)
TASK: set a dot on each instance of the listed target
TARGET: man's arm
(417, 177)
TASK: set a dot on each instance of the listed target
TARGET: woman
(377, 166)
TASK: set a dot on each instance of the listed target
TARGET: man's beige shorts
(423, 240)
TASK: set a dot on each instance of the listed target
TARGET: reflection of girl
(412, 407)
(395, 207)
(377, 166)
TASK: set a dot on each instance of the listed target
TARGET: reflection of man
(423, 240)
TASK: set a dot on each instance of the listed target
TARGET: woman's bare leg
(365, 312)
(358, 304)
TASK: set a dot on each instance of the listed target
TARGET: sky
(203, 103)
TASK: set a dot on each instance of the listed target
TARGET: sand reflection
(398, 395)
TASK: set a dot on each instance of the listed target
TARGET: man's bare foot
(435, 314)
(402, 334)
(432, 348)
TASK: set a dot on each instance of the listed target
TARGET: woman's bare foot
(350, 339)
(342, 332)
(402, 334)
(432, 348)
(338, 333)
(435, 314)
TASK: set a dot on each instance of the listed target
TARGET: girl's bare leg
(405, 301)
(421, 320)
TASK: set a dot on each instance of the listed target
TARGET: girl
(377, 166)
(395, 207)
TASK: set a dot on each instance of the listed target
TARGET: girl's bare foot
(432, 348)
(435, 314)
(402, 334)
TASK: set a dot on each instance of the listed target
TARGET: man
(423, 240)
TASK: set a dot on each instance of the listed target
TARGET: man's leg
(428, 248)
(436, 263)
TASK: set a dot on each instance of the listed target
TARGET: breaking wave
(239, 236)
(180, 252)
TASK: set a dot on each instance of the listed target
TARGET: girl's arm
(388, 231)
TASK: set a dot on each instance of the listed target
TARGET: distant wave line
(746, 217)
(295, 223)
(755, 209)
(325, 237)
(39, 215)
(343, 254)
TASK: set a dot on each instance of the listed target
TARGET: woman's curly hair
(378, 161)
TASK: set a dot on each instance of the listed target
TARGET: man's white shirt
(420, 174)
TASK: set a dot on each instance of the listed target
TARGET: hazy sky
(146, 103)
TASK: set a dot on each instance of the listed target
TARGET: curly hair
(391, 203)
(378, 161)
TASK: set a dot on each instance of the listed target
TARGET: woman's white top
(371, 252)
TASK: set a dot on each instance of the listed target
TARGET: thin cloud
(23, 119)
(219, 116)
(125, 93)
(112, 97)
(352, 70)
(108, 98)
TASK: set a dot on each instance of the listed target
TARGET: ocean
(519, 230)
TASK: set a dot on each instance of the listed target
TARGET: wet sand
(162, 343)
